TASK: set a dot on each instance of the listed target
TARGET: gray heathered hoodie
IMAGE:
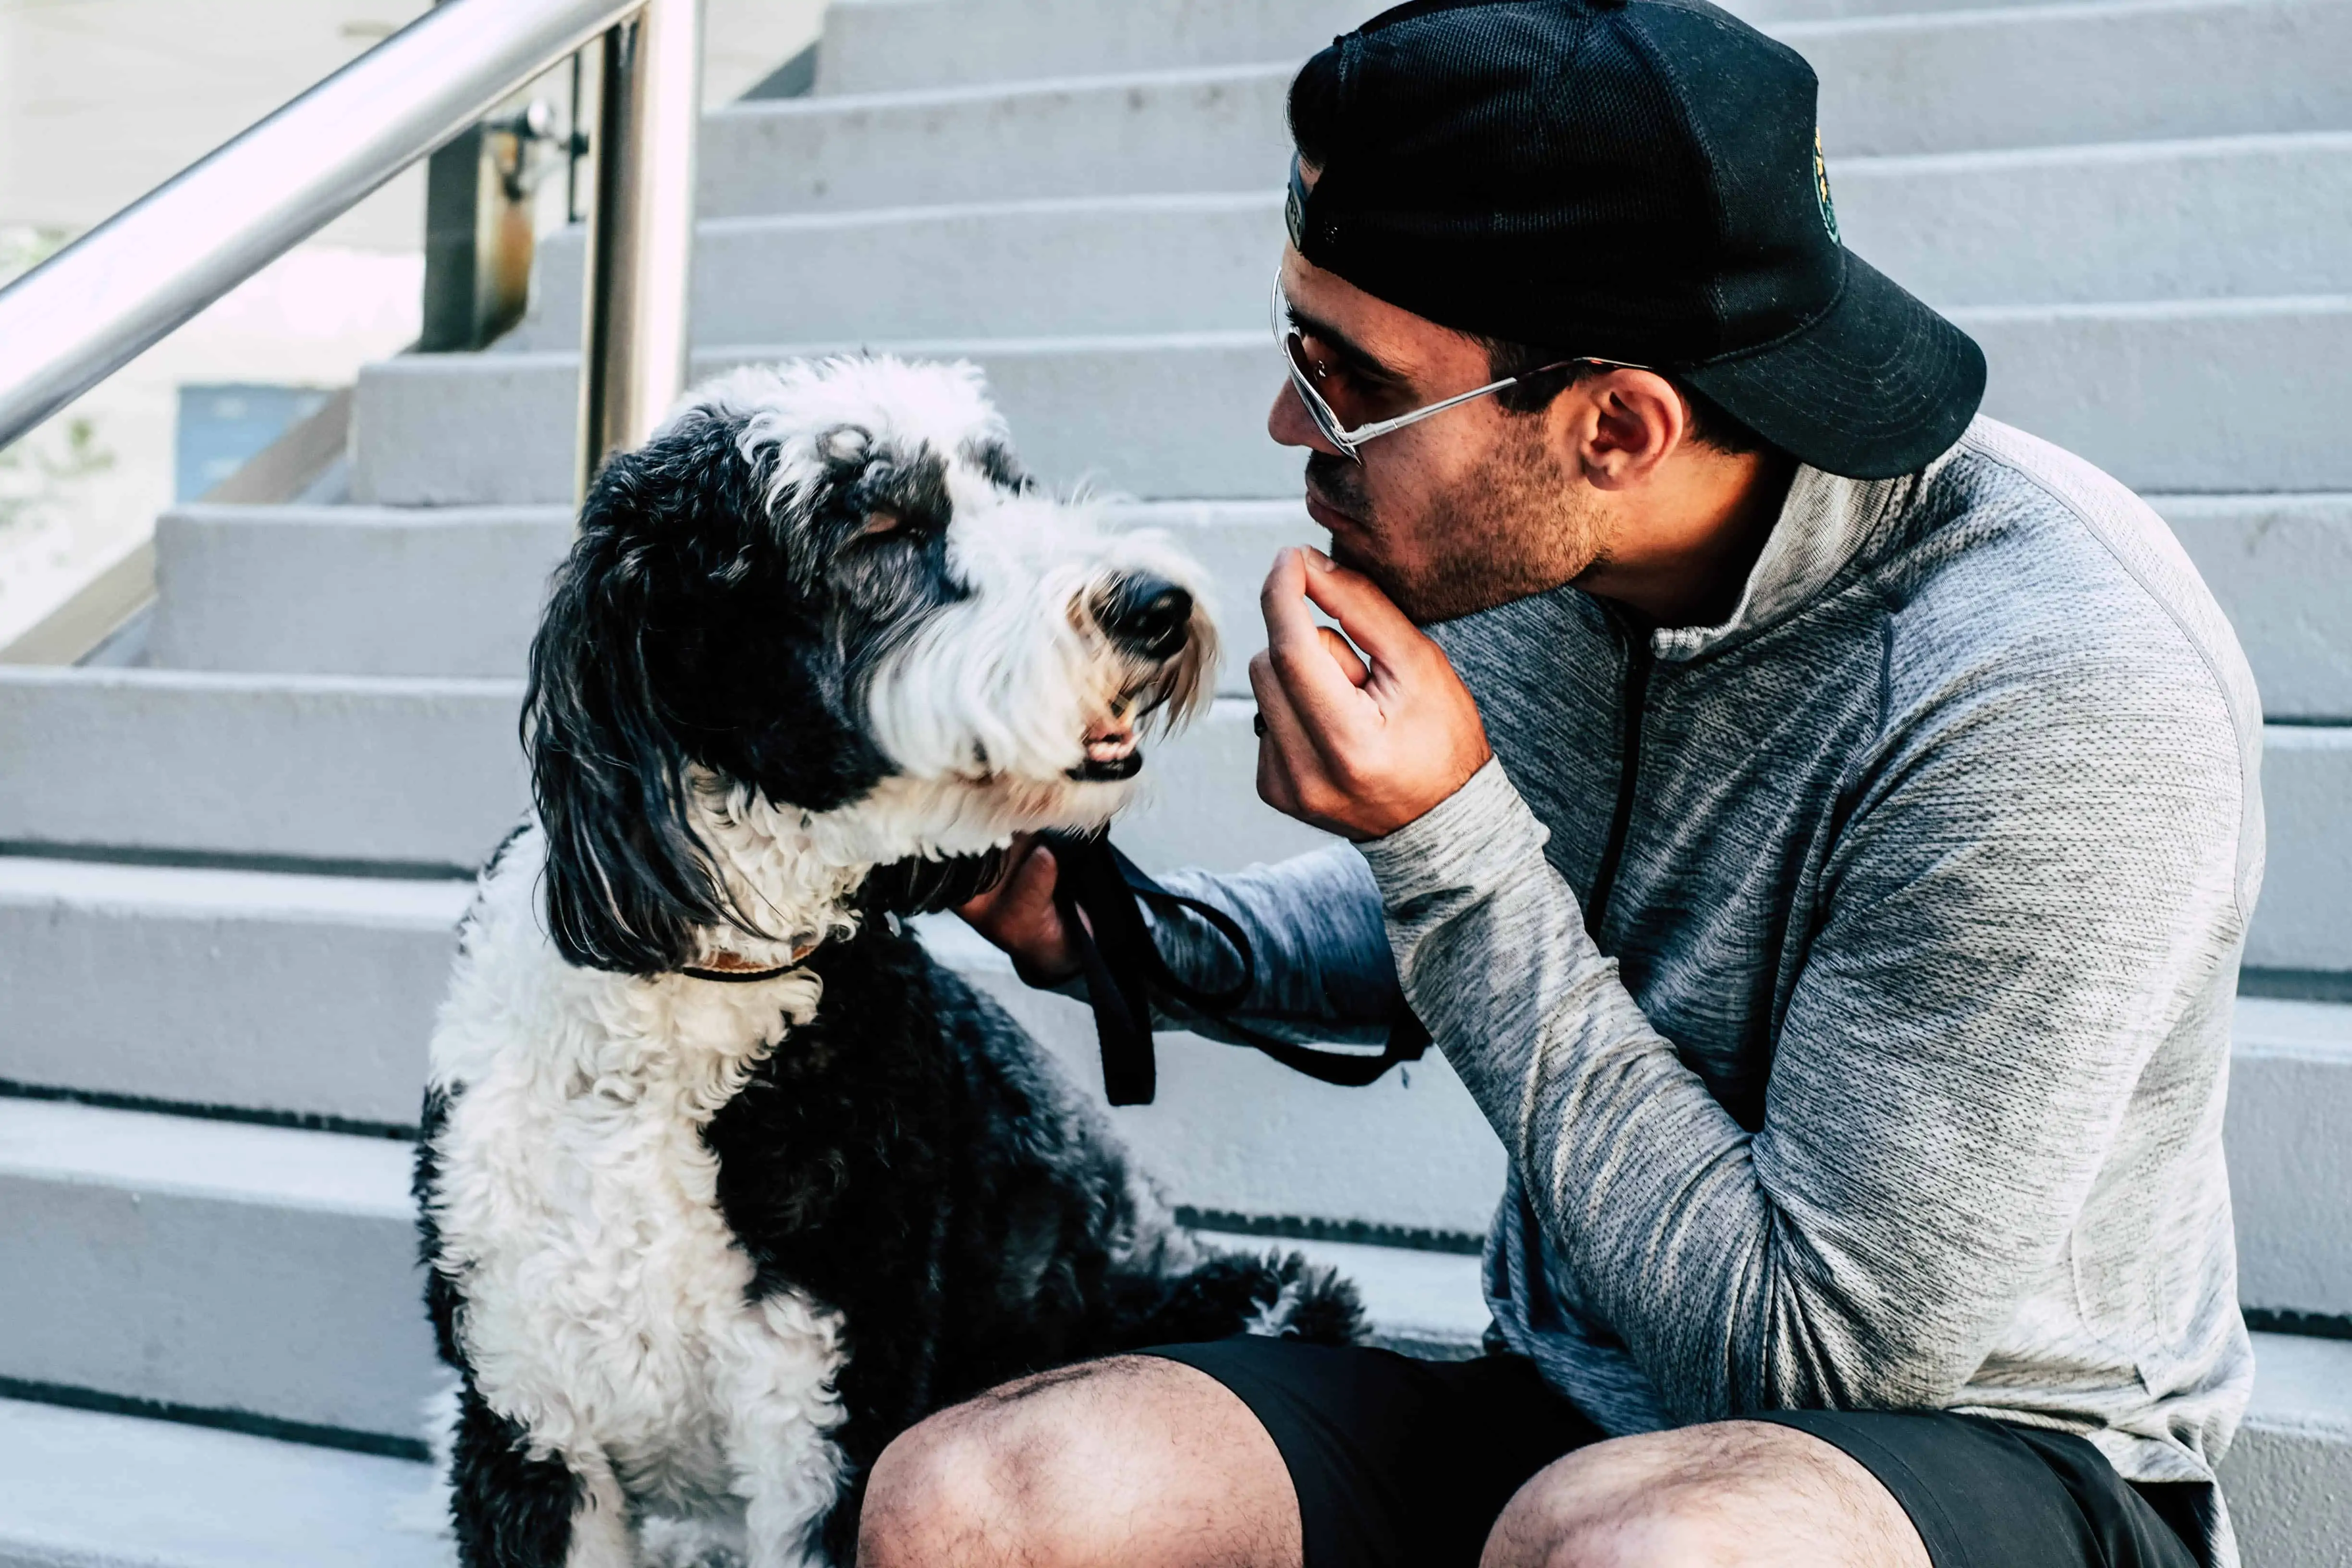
(1850, 982)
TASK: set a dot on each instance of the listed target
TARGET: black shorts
(1405, 1462)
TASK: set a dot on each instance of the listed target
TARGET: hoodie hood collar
(1824, 524)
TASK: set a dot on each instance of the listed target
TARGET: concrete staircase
(231, 870)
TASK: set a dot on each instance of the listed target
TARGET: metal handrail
(96, 304)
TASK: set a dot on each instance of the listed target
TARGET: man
(1819, 828)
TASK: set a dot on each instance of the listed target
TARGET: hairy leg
(1738, 1494)
(1133, 1461)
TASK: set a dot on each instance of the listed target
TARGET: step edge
(149, 679)
(377, 1181)
(1985, 17)
(2091, 154)
(210, 1418)
(821, 104)
(218, 892)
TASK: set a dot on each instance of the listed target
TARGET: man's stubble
(1520, 526)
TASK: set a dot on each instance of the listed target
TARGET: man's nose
(1291, 426)
(1146, 615)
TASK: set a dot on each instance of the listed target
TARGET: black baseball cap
(1634, 180)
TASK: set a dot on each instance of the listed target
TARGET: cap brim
(1877, 385)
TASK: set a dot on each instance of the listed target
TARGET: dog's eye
(883, 525)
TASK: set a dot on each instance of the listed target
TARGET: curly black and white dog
(724, 1184)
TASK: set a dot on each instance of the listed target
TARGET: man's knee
(1737, 1494)
(1652, 1532)
(1134, 1460)
(1559, 1520)
(984, 1482)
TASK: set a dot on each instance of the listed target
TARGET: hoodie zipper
(1638, 660)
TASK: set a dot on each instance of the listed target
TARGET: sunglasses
(1305, 374)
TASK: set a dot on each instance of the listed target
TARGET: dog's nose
(1146, 614)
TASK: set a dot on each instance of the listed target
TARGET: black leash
(1122, 964)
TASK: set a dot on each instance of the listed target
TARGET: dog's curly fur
(699, 1248)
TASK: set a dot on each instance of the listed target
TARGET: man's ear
(1626, 423)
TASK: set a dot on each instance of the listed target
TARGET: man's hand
(1018, 915)
(1355, 749)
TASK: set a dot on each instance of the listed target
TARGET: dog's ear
(627, 880)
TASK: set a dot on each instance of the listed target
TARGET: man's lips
(1329, 516)
(1334, 497)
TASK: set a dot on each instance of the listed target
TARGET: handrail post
(640, 249)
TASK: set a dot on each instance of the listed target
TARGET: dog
(723, 1183)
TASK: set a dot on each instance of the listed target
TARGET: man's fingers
(1284, 752)
(977, 906)
(1324, 692)
(1031, 885)
(1282, 598)
(1343, 653)
(1368, 616)
(1018, 915)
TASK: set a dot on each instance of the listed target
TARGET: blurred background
(101, 100)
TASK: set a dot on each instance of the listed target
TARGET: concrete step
(269, 1273)
(212, 1266)
(904, 44)
(869, 47)
(2279, 565)
(2223, 216)
(454, 591)
(2305, 918)
(411, 774)
(2288, 1476)
(407, 777)
(311, 998)
(2204, 217)
(416, 776)
(303, 998)
(2290, 1162)
(380, 591)
(2195, 396)
(1207, 115)
(391, 590)
(79, 1488)
(1928, 81)
(298, 996)
(1215, 129)
(1063, 265)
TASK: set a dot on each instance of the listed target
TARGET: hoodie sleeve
(2003, 930)
(1318, 940)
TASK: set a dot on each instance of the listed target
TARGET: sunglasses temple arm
(1383, 427)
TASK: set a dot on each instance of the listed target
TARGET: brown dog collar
(734, 969)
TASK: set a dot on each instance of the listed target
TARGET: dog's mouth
(1112, 753)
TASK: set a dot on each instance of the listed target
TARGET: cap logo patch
(1822, 189)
